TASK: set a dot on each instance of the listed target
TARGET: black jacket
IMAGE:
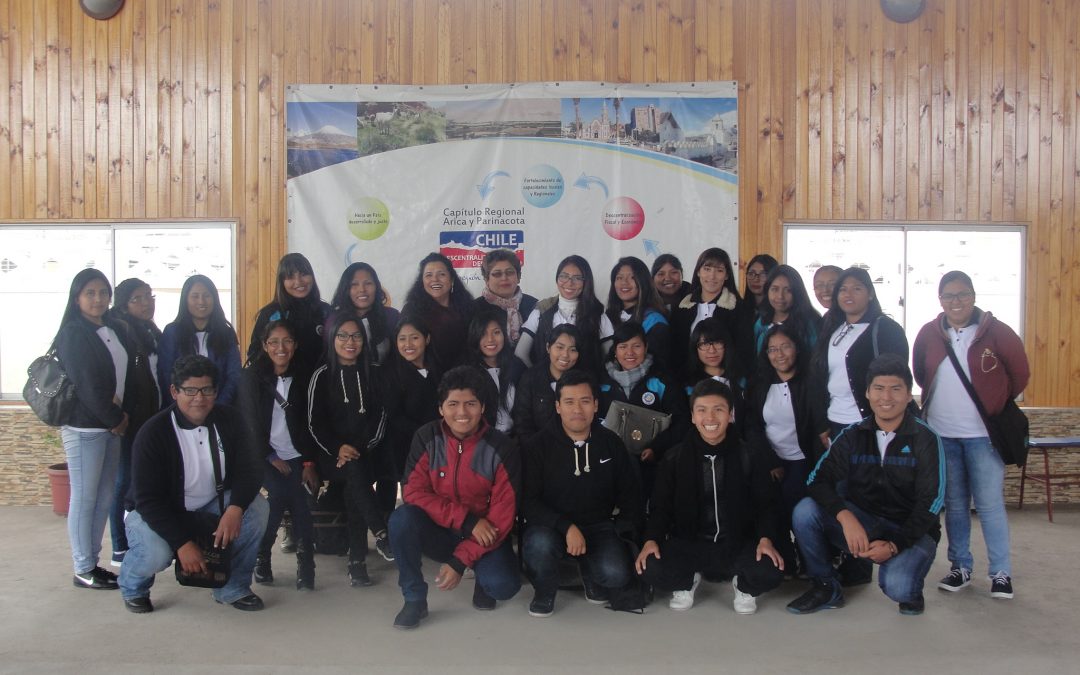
(565, 485)
(882, 336)
(257, 401)
(750, 496)
(308, 324)
(157, 471)
(343, 409)
(410, 401)
(89, 365)
(534, 401)
(907, 487)
(735, 320)
(809, 418)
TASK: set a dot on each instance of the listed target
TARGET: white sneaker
(744, 602)
(684, 600)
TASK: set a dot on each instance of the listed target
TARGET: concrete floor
(48, 626)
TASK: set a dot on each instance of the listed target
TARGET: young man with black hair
(460, 492)
(576, 474)
(172, 474)
(894, 467)
(713, 511)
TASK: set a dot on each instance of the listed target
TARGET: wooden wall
(175, 108)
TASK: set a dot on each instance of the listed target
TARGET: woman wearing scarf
(502, 288)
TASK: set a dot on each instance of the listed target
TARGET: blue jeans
(413, 535)
(287, 492)
(900, 577)
(606, 560)
(973, 469)
(123, 482)
(92, 458)
(149, 554)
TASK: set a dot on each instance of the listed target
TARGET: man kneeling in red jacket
(460, 490)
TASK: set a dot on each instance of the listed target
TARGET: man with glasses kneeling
(174, 475)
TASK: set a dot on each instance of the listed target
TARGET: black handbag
(637, 427)
(1008, 430)
(202, 525)
(49, 391)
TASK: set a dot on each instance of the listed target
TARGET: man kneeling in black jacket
(713, 511)
(576, 474)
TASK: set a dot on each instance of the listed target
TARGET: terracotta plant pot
(60, 487)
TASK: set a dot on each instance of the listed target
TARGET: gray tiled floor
(46, 625)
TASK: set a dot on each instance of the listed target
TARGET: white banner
(386, 174)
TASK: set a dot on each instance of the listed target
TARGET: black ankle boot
(263, 573)
(305, 565)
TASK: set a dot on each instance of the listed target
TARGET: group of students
(352, 395)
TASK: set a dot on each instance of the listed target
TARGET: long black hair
(835, 316)
(802, 311)
(398, 362)
(647, 298)
(765, 370)
(146, 333)
(714, 255)
(290, 264)
(710, 330)
(78, 283)
(342, 301)
(625, 333)
(220, 337)
(418, 299)
(363, 359)
(504, 359)
(589, 309)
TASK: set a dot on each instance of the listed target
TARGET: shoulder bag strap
(216, 461)
(967, 384)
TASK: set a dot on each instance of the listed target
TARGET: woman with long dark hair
(632, 297)
(489, 349)
(200, 327)
(576, 304)
(757, 271)
(91, 345)
(534, 400)
(410, 381)
(667, 274)
(786, 301)
(783, 417)
(346, 420)
(273, 398)
(133, 305)
(712, 294)
(359, 291)
(296, 298)
(854, 333)
(439, 296)
(501, 270)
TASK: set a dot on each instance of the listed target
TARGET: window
(37, 263)
(906, 262)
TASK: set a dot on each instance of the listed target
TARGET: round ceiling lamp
(903, 11)
(101, 9)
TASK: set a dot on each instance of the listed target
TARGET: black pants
(681, 558)
(361, 506)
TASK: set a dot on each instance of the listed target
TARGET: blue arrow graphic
(485, 187)
(348, 254)
(652, 247)
(585, 182)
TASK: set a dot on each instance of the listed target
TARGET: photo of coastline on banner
(386, 174)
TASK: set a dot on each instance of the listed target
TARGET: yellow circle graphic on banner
(369, 218)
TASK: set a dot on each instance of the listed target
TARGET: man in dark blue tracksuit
(895, 471)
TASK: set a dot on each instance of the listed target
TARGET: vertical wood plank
(925, 131)
(63, 166)
(808, 111)
(888, 120)
(39, 71)
(1023, 107)
(840, 150)
(1007, 30)
(213, 108)
(827, 87)
(200, 108)
(936, 168)
(949, 116)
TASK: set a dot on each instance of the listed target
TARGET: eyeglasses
(751, 274)
(350, 337)
(501, 274)
(207, 391)
(963, 296)
(142, 299)
(565, 278)
(280, 342)
(710, 346)
(786, 348)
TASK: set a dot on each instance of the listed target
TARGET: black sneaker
(594, 592)
(481, 600)
(411, 614)
(957, 578)
(914, 607)
(97, 579)
(382, 545)
(139, 605)
(264, 574)
(358, 575)
(823, 594)
(1001, 586)
(543, 604)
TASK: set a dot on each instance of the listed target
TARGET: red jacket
(997, 362)
(458, 482)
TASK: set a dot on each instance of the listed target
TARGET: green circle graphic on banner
(369, 218)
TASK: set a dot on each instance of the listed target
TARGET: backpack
(49, 391)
